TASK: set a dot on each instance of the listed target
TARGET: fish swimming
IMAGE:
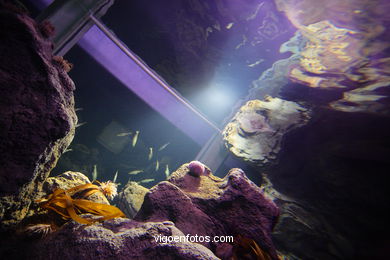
(150, 156)
(80, 124)
(124, 134)
(157, 165)
(135, 138)
(94, 172)
(135, 172)
(115, 177)
(163, 147)
(145, 181)
(167, 171)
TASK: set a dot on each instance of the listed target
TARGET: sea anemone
(196, 168)
(38, 230)
(109, 189)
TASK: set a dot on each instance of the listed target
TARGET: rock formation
(131, 197)
(255, 133)
(210, 206)
(37, 111)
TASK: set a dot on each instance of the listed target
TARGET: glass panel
(110, 116)
(209, 51)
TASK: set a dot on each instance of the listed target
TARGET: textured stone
(114, 239)
(37, 115)
(255, 133)
(211, 206)
(130, 199)
(331, 187)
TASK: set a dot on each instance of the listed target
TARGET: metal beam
(129, 69)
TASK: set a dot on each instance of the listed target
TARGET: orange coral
(61, 202)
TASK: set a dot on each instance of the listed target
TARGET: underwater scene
(194, 129)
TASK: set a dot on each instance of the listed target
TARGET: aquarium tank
(193, 129)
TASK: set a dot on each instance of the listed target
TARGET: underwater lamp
(79, 22)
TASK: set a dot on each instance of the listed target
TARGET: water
(218, 56)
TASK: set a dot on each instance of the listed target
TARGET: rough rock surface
(331, 187)
(37, 115)
(255, 133)
(115, 239)
(130, 199)
(211, 206)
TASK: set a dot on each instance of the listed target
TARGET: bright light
(215, 101)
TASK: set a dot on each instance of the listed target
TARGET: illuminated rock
(344, 47)
(256, 131)
(207, 205)
(130, 199)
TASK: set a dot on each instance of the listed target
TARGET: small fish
(145, 181)
(94, 172)
(80, 124)
(135, 172)
(157, 165)
(150, 156)
(115, 177)
(229, 26)
(79, 109)
(163, 147)
(124, 134)
(135, 138)
(167, 171)
(256, 63)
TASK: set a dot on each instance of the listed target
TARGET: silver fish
(94, 172)
(135, 138)
(145, 181)
(167, 171)
(150, 156)
(79, 109)
(115, 177)
(157, 165)
(229, 26)
(163, 147)
(80, 124)
(124, 134)
(135, 172)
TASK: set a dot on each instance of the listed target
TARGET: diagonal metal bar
(129, 69)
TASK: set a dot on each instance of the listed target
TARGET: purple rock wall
(37, 117)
